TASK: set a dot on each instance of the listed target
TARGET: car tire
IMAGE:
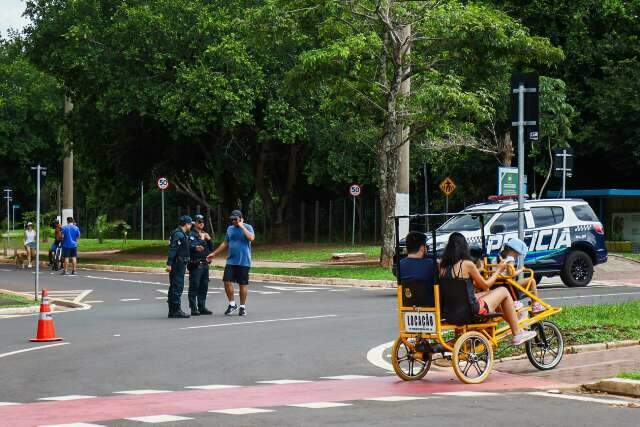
(577, 270)
(538, 278)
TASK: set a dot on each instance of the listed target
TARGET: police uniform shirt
(195, 240)
(178, 246)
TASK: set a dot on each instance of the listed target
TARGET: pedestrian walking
(30, 242)
(238, 239)
(70, 236)
(177, 261)
(200, 245)
(57, 241)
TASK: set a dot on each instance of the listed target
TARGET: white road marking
(138, 392)
(65, 398)
(4, 269)
(212, 387)
(305, 292)
(280, 382)
(94, 302)
(242, 411)
(42, 347)
(129, 299)
(339, 290)
(9, 403)
(580, 398)
(117, 279)
(154, 419)
(260, 321)
(82, 295)
(163, 298)
(294, 288)
(346, 377)
(73, 425)
(374, 356)
(397, 398)
(320, 405)
(467, 394)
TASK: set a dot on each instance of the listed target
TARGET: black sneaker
(63, 273)
(230, 309)
(73, 272)
(242, 312)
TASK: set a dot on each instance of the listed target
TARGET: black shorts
(69, 252)
(236, 274)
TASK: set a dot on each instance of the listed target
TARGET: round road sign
(355, 190)
(163, 183)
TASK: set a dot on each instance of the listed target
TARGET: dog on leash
(21, 260)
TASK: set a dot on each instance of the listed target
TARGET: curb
(36, 308)
(620, 386)
(624, 258)
(584, 348)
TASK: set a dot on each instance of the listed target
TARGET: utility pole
(141, 210)
(402, 136)
(7, 196)
(13, 217)
(67, 170)
(425, 173)
(40, 172)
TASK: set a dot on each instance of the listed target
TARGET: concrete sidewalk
(580, 368)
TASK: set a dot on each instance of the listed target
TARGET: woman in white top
(30, 242)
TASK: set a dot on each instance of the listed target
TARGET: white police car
(564, 236)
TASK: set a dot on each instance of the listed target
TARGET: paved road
(300, 345)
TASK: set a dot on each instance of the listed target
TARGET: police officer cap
(198, 218)
(235, 214)
(185, 219)
(518, 246)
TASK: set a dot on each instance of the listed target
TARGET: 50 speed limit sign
(163, 183)
(355, 190)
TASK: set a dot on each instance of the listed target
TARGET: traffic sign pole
(7, 195)
(564, 174)
(162, 193)
(353, 223)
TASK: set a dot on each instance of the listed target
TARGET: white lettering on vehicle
(560, 238)
(539, 245)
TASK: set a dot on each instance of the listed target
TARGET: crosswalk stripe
(65, 398)
(137, 392)
(281, 382)
(466, 393)
(346, 377)
(580, 398)
(242, 411)
(397, 398)
(154, 419)
(320, 405)
(212, 387)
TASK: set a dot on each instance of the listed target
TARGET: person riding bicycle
(57, 240)
(456, 263)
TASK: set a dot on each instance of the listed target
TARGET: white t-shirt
(29, 236)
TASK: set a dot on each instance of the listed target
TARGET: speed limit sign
(355, 190)
(163, 183)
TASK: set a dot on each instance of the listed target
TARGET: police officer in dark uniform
(177, 264)
(200, 246)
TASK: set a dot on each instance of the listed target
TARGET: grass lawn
(128, 262)
(92, 245)
(630, 375)
(590, 324)
(309, 252)
(10, 301)
(628, 255)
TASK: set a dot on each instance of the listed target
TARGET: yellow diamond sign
(448, 186)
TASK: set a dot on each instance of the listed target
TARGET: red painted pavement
(195, 401)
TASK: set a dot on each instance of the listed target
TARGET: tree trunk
(505, 149)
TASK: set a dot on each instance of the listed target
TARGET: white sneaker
(537, 307)
(517, 304)
(523, 337)
(30, 265)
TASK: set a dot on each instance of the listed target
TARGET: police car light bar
(497, 198)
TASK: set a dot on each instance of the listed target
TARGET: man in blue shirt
(70, 236)
(238, 239)
(416, 267)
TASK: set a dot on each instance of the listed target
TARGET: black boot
(195, 311)
(171, 310)
(204, 310)
(178, 313)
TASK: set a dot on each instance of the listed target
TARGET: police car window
(546, 216)
(584, 213)
(462, 223)
(509, 220)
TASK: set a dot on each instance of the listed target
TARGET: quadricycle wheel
(546, 349)
(472, 357)
(408, 363)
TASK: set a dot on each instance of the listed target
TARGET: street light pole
(7, 196)
(40, 171)
(67, 169)
(141, 210)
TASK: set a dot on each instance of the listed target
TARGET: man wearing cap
(238, 239)
(177, 261)
(70, 236)
(200, 245)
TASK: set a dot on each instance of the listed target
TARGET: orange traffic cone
(46, 329)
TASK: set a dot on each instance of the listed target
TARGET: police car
(564, 236)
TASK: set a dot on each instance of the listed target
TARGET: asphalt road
(301, 334)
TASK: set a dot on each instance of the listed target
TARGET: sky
(10, 15)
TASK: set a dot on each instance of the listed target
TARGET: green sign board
(507, 181)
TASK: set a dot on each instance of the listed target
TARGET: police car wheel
(577, 270)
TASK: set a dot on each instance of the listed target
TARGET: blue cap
(518, 246)
(185, 219)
